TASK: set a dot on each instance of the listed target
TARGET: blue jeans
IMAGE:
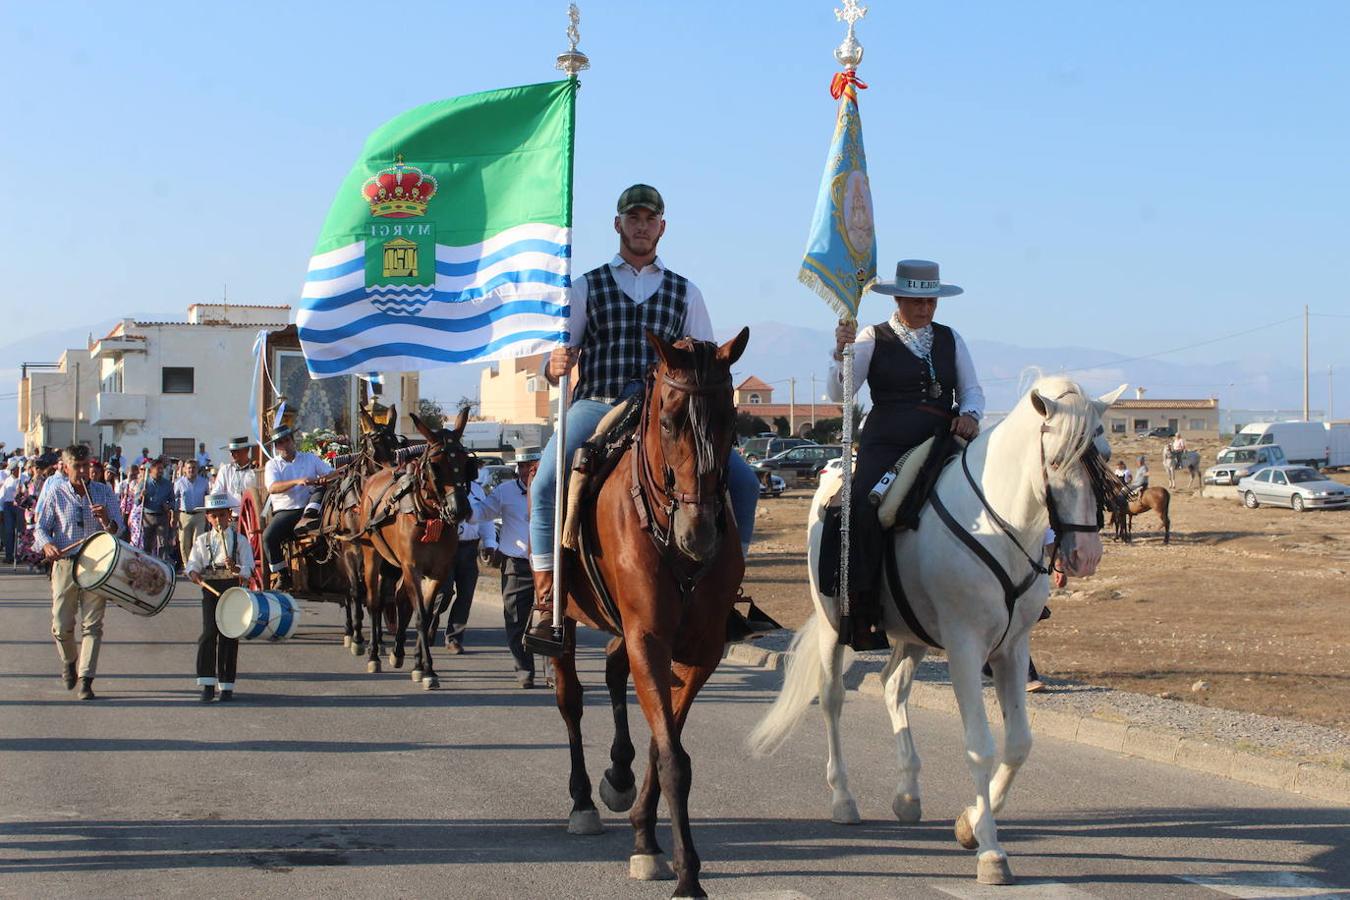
(582, 418)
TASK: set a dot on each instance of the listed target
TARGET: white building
(169, 386)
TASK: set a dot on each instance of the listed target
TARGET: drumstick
(208, 587)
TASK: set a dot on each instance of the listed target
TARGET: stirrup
(546, 640)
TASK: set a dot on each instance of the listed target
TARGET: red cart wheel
(251, 525)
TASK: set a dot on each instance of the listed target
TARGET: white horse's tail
(801, 685)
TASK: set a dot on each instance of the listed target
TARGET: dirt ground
(1253, 603)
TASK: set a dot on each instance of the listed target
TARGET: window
(753, 398)
(180, 448)
(1196, 425)
(113, 383)
(1141, 425)
(1117, 426)
(1263, 475)
(177, 380)
(1267, 438)
(1278, 478)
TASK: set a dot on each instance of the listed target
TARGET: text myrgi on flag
(450, 240)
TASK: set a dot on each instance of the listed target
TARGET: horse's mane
(1075, 433)
(703, 355)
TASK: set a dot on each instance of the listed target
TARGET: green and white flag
(450, 241)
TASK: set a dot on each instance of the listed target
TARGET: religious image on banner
(840, 263)
(450, 240)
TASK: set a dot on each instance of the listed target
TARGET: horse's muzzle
(1081, 553)
(695, 530)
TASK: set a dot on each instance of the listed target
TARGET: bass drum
(117, 571)
(251, 526)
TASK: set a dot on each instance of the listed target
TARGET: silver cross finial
(850, 52)
(573, 61)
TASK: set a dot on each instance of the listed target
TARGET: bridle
(646, 486)
(429, 480)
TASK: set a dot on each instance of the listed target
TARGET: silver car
(1297, 487)
(1236, 463)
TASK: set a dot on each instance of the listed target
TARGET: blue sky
(1133, 177)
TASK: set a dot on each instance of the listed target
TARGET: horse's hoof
(358, 648)
(416, 674)
(395, 661)
(585, 821)
(649, 867)
(373, 666)
(965, 832)
(615, 799)
(907, 809)
(992, 868)
(431, 684)
(346, 640)
(845, 812)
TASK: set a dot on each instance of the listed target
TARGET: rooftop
(754, 384)
(1211, 403)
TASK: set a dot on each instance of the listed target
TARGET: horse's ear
(393, 418)
(367, 423)
(732, 349)
(422, 429)
(1043, 404)
(671, 356)
(460, 421)
(1103, 403)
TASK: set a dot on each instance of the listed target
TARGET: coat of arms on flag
(450, 240)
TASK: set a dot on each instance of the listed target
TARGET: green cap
(642, 195)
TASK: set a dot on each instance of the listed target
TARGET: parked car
(490, 460)
(1236, 463)
(805, 461)
(757, 448)
(770, 485)
(1298, 487)
(1162, 431)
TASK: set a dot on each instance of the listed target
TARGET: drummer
(73, 509)
(218, 560)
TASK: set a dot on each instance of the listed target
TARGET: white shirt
(638, 286)
(510, 502)
(305, 465)
(1178, 443)
(969, 394)
(232, 480)
(477, 528)
(203, 459)
(209, 552)
(8, 488)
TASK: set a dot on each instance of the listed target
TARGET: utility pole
(813, 400)
(1305, 363)
(75, 410)
(792, 407)
(1331, 415)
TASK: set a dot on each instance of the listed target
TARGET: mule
(1042, 465)
(409, 521)
(667, 564)
(1155, 498)
(1189, 460)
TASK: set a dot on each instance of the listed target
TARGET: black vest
(899, 380)
(614, 350)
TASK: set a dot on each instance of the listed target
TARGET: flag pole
(571, 62)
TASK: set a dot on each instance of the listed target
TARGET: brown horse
(409, 519)
(1154, 498)
(339, 520)
(668, 562)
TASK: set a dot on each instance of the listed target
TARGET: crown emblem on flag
(399, 192)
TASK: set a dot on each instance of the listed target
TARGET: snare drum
(131, 578)
(249, 615)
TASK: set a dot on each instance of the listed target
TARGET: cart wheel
(251, 524)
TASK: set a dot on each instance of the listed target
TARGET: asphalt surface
(323, 780)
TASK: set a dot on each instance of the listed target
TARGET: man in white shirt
(477, 537)
(290, 477)
(9, 509)
(203, 458)
(510, 502)
(238, 474)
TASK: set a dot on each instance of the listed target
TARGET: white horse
(1013, 481)
(1181, 459)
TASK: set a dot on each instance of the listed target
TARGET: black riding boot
(862, 629)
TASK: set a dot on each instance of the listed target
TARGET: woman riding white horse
(974, 578)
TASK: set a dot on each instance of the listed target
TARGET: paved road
(322, 779)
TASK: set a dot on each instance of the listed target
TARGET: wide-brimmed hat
(239, 443)
(283, 432)
(528, 454)
(916, 278)
(216, 501)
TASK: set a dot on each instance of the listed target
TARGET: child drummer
(219, 559)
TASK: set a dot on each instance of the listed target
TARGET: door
(1279, 488)
(1174, 424)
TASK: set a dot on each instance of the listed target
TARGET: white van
(1339, 441)
(1304, 443)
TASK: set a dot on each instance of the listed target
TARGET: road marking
(1267, 886)
(768, 895)
(1041, 890)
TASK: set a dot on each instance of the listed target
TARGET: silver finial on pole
(573, 61)
(850, 52)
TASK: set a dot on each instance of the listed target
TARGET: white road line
(1267, 886)
(766, 895)
(1041, 890)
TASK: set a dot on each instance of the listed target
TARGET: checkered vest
(614, 351)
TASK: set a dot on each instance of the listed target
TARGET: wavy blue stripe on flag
(450, 241)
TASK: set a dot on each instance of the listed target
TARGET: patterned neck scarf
(919, 341)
